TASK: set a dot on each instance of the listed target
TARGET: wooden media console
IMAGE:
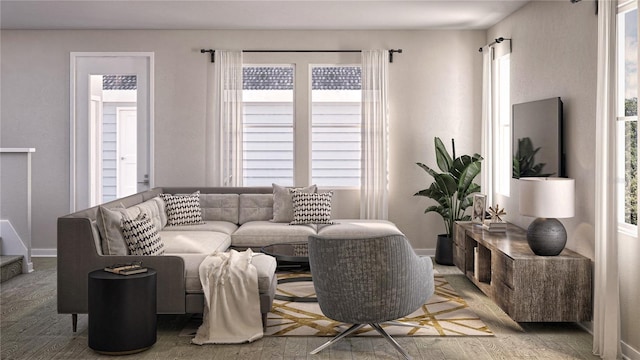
(528, 287)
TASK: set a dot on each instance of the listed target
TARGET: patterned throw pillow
(142, 236)
(311, 208)
(183, 209)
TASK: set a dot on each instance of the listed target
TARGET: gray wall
(555, 54)
(435, 90)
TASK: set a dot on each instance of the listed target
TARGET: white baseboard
(425, 252)
(629, 353)
(44, 252)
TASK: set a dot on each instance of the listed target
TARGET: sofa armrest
(77, 256)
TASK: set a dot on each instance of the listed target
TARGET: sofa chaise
(234, 217)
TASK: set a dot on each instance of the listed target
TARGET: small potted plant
(453, 190)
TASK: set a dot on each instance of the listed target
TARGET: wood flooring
(31, 328)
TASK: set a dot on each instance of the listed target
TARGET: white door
(127, 153)
(89, 154)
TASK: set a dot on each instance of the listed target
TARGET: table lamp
(547, 199)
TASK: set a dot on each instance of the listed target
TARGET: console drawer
(503, 268)
(503, 296)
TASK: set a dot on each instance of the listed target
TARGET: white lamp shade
(547, 197)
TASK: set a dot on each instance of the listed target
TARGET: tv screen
(537, 139)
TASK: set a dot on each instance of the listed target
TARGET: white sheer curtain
(606, 318)
(375, 123)
(487, 124)
(224, 121)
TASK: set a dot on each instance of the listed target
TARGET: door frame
(74, 56)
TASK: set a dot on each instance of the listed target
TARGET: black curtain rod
(496, 41)
(213, 52)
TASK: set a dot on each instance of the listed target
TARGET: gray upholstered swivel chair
(370, 281)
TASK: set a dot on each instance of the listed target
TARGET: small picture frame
(479, 208)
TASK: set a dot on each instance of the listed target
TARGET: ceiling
(255, 15)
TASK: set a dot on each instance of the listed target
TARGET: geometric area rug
(444, 314)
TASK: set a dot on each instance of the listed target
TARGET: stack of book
(126, 269)
(495, 226)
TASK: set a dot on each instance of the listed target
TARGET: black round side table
(122, 312)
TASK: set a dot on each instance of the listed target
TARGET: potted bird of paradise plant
(452, 190)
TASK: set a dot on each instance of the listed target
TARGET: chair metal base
(356, 327)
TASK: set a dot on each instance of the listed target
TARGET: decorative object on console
(494, 226)
(496, 213)
(547, 199)
(479, 206)
(452, 190)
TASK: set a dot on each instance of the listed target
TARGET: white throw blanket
(232, 304)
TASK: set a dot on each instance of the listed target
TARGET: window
(627, 116)
(330, 149)
(502, 134)
(268, 114)
(335, 126)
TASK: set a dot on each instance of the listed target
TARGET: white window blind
(336, 126)
(268, 125)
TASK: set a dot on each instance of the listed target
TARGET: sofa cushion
(192, 262)
(190, 242)
(311, 208)
(283, 202)
(265, 266)
(256, 234)
(183, 209)
(219, 226)
(358, 228)
(142, 236)
(220, 207)
(109, 221)
(96, 237)
(255, 207)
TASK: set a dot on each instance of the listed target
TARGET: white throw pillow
(311, 208)
(283, 202)
(142, 236)
(109, 222)
(183, 209)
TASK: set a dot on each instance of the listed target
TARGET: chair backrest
(369, 280)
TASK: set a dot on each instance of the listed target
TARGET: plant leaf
(466, 179)
(442, 156)
(429, 170)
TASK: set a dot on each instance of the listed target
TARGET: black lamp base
(546, 236)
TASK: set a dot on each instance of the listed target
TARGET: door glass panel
(113, 136)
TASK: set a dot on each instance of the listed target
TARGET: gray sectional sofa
(234, 217)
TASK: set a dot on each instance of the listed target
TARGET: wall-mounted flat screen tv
(537, 146)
